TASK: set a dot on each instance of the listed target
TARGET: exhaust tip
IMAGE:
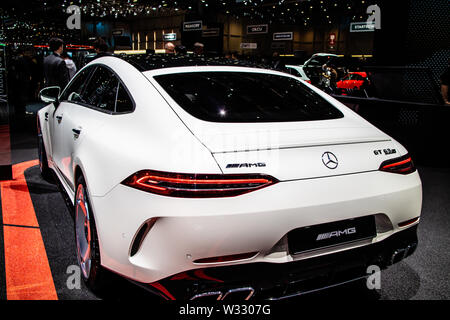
(402, 253)
(239, 294)
(214, 295)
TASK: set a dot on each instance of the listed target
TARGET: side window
(73, 92)
(124, 102)
(294, 72)
(314, 62)
(101, 90)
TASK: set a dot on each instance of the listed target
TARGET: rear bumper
(279, 281)
(188, 230)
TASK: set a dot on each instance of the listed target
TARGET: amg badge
(337, 233)
(246, 165)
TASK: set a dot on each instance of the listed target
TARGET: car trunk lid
(291, 151)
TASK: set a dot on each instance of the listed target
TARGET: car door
(313, 68)
(59, 117)
(359, 81)
(87, 117)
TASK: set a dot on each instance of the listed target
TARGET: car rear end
(307, 194)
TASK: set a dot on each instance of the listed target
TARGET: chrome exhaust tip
(244, 293)
(208, 295)
(402, 253)
(398, 255)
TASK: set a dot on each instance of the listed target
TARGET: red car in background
(353, 80)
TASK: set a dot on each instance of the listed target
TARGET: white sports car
(223, 181)
(298, 72)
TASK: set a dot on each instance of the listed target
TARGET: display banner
(283, 36)
(258, 29)
(249, 45)
(278, 45)
(362, 27)
(5, 141)
(211, 32)
(169, 36)
(192, 26)
(117, 32)
(3, 92)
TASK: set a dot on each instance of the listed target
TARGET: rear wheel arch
(78, 172)
(95, 279)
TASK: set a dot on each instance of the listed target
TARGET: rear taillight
(197, 185)
(402, 165)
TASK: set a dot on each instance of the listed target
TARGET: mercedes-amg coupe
(198, 179)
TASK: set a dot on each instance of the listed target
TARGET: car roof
(325, 54)
(214, 68)
(162, 64)
(148, 62)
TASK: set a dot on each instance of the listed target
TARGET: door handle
(59, 118)
(76, 132)
(46, 116)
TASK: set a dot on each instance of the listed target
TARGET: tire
(86, 239)
(46, 172)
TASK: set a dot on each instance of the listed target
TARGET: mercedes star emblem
(329, 160)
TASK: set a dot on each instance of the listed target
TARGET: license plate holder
(331, 234)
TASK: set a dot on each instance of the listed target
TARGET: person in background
(445, 83)
(277, 62)
(101, 48)
(231, 55)
(169, 47)
(180, 49)
(70, 64)
(198, 48)
(55, 70)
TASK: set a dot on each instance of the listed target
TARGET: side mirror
(50, 94)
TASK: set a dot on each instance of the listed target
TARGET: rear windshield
(246, 97)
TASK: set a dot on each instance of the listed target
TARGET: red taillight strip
(197, 181)
(397, 163)
(197, 185)
(145, 185)
(402, 165)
